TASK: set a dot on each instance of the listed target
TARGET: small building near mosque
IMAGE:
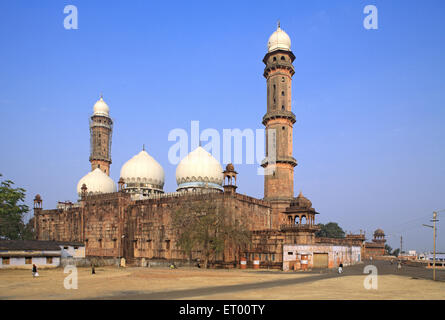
(302, 257)
(375, 248)
(22, 254)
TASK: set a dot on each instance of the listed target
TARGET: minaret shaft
(101, 129)
(279, 177)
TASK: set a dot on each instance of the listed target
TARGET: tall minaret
(101, 129)
(279, 180)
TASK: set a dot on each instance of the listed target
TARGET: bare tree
(207, 227)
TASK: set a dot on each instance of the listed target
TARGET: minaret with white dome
(142, 175)
(279, 40)
(199, 171)
(101, 129)
(279, 119)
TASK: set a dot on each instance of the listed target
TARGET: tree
(388, 249)
(12, 211)
(28, 232)
(330, 230)
(205, 227)
(396, 252)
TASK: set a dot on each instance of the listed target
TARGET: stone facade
(114, 225)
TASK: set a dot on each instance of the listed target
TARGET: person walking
(340, 268)
(34, 271)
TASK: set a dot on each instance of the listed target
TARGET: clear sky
(370, 104)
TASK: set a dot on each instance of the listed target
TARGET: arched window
(283, 58)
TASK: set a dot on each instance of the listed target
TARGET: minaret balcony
(279, 159)
(279, 114)
(299, 227)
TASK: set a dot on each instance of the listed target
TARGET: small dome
(143, 168)
(302, 202)
(379, 232)
(101, 108)
(96, 181)
(199, 169)
(279, 40)
(230, 167)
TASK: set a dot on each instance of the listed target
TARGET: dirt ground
(163, 283)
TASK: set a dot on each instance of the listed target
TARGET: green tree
(205, 227)
(28, 232)
(396, 252)
(12, 211)
(388, 249)
(330, 230)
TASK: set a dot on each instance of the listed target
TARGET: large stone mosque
(133, 219)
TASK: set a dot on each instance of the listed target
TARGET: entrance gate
(321, 260)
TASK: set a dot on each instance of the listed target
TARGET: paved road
(383, 267)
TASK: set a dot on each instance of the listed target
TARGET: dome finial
(143, 147)
(278, 24)
(101, 96)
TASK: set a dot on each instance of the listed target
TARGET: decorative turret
(37, 210)
(379, 236)
(300, 211)
(38, 202)
(230, 179)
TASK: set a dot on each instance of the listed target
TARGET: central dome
(143, 172)
(199, 169)
(279, 40)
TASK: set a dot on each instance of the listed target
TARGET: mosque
(133, 219)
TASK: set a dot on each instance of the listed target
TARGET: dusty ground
(160, 283)
(390, 287)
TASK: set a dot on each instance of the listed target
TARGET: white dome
(143, 168)
(278, 40)
(101, 108)
(199, 169)
(97, 182)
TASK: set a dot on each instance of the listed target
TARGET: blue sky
(370, 104)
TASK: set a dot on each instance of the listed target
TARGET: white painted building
(22, 254)
(319, 256)
(72, 249)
